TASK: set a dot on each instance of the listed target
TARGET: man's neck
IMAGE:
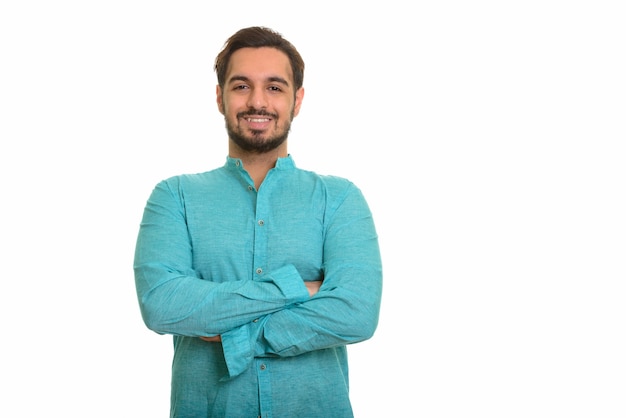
(258, 165)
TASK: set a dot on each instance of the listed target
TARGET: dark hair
(258, 37)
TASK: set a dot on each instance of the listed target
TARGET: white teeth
(258, 120)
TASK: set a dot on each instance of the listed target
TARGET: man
(261, 271)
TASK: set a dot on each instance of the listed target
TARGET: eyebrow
(272, 79)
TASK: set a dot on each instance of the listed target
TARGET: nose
(257, 98)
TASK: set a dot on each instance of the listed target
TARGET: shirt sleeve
(172, 297)
(344, 311)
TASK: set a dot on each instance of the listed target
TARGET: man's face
(258, 100)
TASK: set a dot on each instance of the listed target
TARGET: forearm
(344, 311)
(334, 316)
(187, 305)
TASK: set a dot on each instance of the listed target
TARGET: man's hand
(214, 339)
(313, 286)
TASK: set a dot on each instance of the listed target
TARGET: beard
(254, 141)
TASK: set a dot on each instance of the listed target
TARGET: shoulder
(337, 184)
(335, 188)
(183, 186)
(190, 180)
(333, 183)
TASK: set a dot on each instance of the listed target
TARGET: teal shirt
(216, 256)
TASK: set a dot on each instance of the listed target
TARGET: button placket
(260, 234)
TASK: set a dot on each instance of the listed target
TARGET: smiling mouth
(257, 120)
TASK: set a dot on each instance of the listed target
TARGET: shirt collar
(284, 163)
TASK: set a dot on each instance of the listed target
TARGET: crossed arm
(313, 287)
(272, 316)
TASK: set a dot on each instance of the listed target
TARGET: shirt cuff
(239, 346)
(237, 352)
(290, 283)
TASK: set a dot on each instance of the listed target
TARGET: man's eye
(240, 87)
(275, 88)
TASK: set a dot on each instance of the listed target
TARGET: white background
(487, 136)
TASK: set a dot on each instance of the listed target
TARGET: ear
(298, 103)
(219, 100)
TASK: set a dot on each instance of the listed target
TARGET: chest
(233, 235)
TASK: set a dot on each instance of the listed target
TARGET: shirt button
(250, 188)
(259, 270)
(261, 222)
(263, 367)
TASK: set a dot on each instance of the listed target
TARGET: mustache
(256, 112)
